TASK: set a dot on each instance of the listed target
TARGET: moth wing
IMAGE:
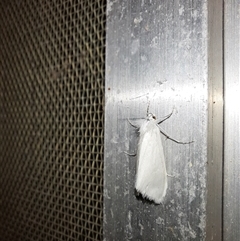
(151, 178)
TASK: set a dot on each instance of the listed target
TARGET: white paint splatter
(129, 226)
(160, 221)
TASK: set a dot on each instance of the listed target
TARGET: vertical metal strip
(232, 120)
(215, 120)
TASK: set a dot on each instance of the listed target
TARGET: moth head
(151, 116)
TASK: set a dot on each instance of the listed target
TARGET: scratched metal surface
(232, 125)
(157, 53)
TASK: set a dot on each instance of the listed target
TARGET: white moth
(151, 175)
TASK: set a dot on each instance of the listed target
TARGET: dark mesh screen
(51, 119)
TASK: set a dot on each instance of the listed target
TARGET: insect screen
(52, 56)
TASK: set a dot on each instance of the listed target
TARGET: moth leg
(165, 117)
(129, 154)
(134, 154)
(168, 137)
(132, 124)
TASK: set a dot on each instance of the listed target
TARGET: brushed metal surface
(157, 52)
(215, 121)
(231, 121)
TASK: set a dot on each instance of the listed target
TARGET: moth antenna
(148, 107)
